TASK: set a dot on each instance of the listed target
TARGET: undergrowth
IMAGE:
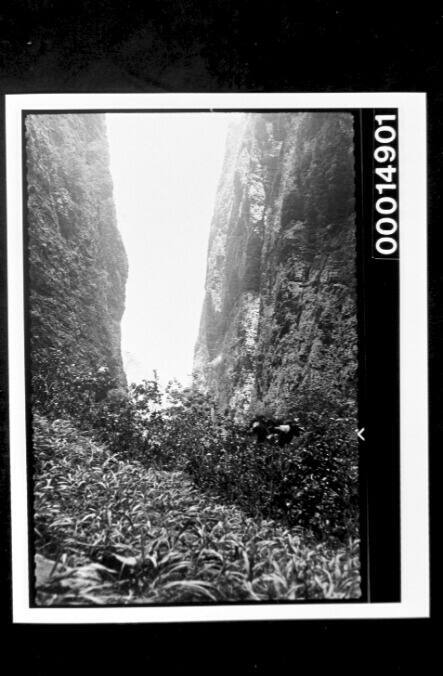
(114, 531)
(311, 482)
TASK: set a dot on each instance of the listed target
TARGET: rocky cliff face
(279, 315)
(77, 263)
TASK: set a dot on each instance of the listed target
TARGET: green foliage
(77, 263)
(312, 482)
(118, 490)
(96, 402)
(112, 531)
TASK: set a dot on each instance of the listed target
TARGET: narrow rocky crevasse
(279, 315)
(77, 262)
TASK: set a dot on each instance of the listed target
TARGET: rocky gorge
(279, 317)
(136, 502)
(77, 263)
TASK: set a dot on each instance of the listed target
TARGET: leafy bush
(113, 531)
(312, 482)
(95, 400)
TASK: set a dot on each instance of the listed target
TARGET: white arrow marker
(360, 434)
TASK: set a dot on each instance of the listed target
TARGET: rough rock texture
(279, 315)
(77, 263)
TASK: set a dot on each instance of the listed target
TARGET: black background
(379, 403)
(173, 46)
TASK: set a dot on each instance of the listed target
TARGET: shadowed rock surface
(77, 263)
(279, 315)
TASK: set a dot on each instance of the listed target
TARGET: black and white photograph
(193, 374)
(209, 403)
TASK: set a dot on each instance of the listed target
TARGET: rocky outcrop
(77, 263)
(279, 315)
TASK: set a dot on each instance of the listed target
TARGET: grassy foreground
(111, 531)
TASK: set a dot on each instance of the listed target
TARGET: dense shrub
(111, 531)
(312, 482)
(95, 400)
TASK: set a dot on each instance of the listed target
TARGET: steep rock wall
(77, 262)
(279, 315)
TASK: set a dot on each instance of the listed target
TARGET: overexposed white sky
(165, 169)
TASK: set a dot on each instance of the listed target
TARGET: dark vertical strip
(362, 395)
(28, 374)
(379, 398)
(5, 502)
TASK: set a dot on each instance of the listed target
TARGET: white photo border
(414, 498)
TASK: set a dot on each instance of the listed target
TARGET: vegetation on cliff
(278, 325)
(112, 525)
(311, 482)
(77, 263)
(143, 496)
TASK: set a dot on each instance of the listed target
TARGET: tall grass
(313, 482)
(110, 530)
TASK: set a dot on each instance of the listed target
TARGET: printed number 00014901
(386, 206)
